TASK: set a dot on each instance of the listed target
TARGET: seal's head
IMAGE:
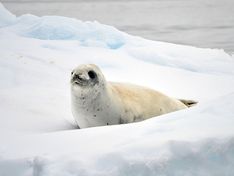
(87, 78)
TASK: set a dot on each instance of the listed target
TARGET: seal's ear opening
(92, 74)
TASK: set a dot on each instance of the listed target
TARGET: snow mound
(185, 57)
(62, 28)
(6, 17)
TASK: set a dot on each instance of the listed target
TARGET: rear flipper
(188, 103)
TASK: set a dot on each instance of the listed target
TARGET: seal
(96, 102)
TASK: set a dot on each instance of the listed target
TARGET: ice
(38, 135)
(6, 17)
(63, 28)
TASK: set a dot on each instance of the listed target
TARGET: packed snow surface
(37, 132)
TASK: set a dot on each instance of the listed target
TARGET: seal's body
(96, 102)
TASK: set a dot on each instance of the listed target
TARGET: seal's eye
(92, 74)
(72, 73)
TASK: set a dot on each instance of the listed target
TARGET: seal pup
(96, 102)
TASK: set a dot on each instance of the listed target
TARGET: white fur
(109, 103)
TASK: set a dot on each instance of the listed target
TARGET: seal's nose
(80, 76)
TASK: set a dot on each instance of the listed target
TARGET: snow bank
(185, 57)
(177, 143)
(62, 28)
(6, 18)
(38, 134)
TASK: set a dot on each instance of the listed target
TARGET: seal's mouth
(77, 82)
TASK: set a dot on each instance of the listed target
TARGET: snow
(6, 17)
(63, 28)
(38, 135)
